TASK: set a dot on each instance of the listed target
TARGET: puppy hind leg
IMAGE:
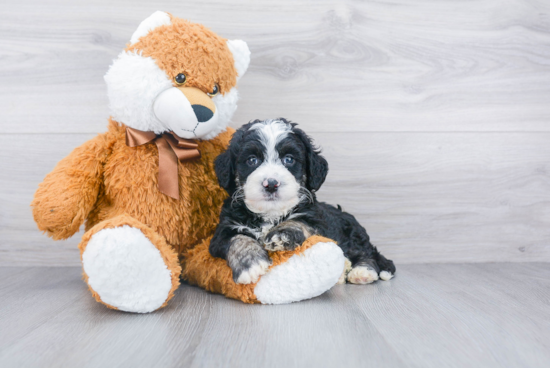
(363, 272)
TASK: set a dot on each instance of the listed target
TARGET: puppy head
(177, 76)
(271, 165)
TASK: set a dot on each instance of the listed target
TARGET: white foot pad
(362, 275)
(126, 270)
(303, 276)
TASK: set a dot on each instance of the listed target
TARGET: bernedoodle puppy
(271, 171)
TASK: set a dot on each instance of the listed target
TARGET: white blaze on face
(271, 132)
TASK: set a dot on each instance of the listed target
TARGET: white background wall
(434, 115)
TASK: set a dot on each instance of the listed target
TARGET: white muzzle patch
(272, 205)
(174, 110)
(287, 195)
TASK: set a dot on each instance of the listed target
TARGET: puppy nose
(271, 185)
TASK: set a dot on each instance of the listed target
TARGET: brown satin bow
(171, 149)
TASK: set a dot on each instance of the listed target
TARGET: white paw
(362, 275)
(253, 274)
(126, 270)
(386, 275)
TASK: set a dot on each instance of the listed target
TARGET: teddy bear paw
(126, 270)
(303, 276)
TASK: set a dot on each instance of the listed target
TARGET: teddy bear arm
(67, 195)
(305, 272)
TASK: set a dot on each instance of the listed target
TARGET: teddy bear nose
(202, 113)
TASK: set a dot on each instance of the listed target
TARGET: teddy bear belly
(183, 223)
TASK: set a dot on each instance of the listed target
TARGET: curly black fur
(309, 217)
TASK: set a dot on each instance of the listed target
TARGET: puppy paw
(386, 275)
(251, 274)
(362, 275)
(287, 238)
(247, 259)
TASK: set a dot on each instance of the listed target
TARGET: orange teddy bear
(146, 188)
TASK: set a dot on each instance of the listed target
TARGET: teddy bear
(146, 188)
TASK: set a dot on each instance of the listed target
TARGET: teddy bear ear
(158, 18)
(241, 55)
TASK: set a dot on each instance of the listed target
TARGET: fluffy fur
(133, 102)
(305, 272)
(157, 19)
(241, 55)
(127, 295)
(105, 178)
(271, 170)
(298, 278)
(135, 236)
(113, 188)
(126, 269)
(161, 48)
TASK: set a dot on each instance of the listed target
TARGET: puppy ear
(316, 165)
(225, 171)
(224, 165)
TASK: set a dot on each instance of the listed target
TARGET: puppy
(271, 171)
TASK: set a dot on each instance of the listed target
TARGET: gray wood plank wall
(434, 115)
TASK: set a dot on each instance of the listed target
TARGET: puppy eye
(252, 161)
(288, 160)
(180, 79)
(214, 91)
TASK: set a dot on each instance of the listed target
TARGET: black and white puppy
(271, 171)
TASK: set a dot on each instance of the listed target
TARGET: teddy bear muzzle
(187, 111)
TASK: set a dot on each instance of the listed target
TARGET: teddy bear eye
(180, 79)
(214, 91)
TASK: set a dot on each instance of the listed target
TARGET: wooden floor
(437, 315)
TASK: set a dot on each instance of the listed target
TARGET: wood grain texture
(337, 65)
(461, 315)
(423, 197)
(433, 114)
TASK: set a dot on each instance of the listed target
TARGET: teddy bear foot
(304, 276)
(126, 271)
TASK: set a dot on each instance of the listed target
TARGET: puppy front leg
(247, 259)
(287, 236)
